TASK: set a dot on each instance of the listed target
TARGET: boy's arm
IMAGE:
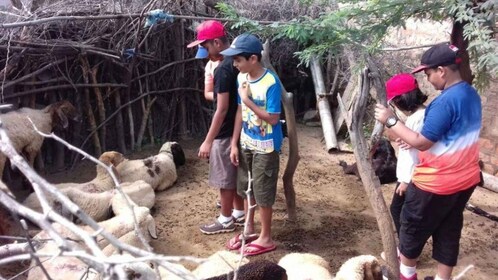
(414, 139)
(237, 128)
(271, 118)
(219, 115)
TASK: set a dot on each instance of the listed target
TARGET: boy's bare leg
(265, 240)
(227, 196)
(238, 202)
(408, 262)
(444, 271)
(250, 222)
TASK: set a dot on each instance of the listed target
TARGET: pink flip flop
(259, 249)
(238, 241)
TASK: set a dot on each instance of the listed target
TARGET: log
(88, 107)
(352, 88)
(490, 182)
(322, 104)
(290, 118)
(370, 181)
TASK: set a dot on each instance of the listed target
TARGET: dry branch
(370, 181)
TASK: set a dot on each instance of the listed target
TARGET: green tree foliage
(364, 24)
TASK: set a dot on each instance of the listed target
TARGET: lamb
(383, 162)
(219, 263)
(22, 134)
(309, 266)
(103, 180)
(120, 226)
(301, 266)
(96, 205)
(159, 170)
(260, 269)
(365, 267)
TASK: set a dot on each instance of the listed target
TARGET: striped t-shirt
(453, 122)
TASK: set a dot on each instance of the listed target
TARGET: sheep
(219, 263)
(59, 267)
(159, 170)
(301, 266)
(365, 267)
(103, 180)
(22, 134)
(96, 205)
(383, 162)
(260, 269)
(309, 266)
(120, 226)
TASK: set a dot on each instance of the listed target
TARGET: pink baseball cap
(208, 30)
(399, 85)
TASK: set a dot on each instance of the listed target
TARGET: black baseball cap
(443, 54)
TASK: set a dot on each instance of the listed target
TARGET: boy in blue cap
(259, 133)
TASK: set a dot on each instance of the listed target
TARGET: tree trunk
(380, 89)
(88, 106)
(119, 124)
(458, 40)
(144, 122)
(180, 74)
(370, 181)
(290, 118)
(100, 107)
(322, 104)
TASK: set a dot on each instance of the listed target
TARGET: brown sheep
(22, 134)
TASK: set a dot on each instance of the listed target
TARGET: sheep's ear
(62, 117)
(178, 154)
(151, 227)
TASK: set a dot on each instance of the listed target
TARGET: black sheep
(383, 162)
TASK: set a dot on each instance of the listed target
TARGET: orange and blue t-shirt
(453, 122)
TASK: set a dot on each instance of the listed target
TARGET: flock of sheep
(139, 179)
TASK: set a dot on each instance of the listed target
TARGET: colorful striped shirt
(452, 122)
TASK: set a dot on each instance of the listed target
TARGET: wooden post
(100, 107)
(370, 181)
(322, 104)
(380, 89)
(119, 123)
(88, 107)
(290, 118)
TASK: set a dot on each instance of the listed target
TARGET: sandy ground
(335, 219)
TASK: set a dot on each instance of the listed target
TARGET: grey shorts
(222, 173)
(264, 172)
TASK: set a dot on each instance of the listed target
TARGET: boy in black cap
(448, 171)
(257, 125)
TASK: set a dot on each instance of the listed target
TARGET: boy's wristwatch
(391, 121)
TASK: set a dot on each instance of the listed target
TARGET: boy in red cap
(404, 94)
(216, 146)
(448, 171)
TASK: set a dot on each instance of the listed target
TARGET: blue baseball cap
(245, 43)
(202, 52)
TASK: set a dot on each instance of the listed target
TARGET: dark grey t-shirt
(225, 81)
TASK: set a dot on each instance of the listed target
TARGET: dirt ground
(335, 219)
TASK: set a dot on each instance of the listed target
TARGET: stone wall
(489, 131)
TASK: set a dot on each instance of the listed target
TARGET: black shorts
(426, 214)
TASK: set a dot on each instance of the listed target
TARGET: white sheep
(21, 133)
(219, 263)
(159, 170)
(103, 180)
(305, 266)
(364, 267)
(95, 205)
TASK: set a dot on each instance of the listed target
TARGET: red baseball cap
(208, 30)
(399, 85)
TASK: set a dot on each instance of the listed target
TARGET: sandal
(237, 241)
(259, 249)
